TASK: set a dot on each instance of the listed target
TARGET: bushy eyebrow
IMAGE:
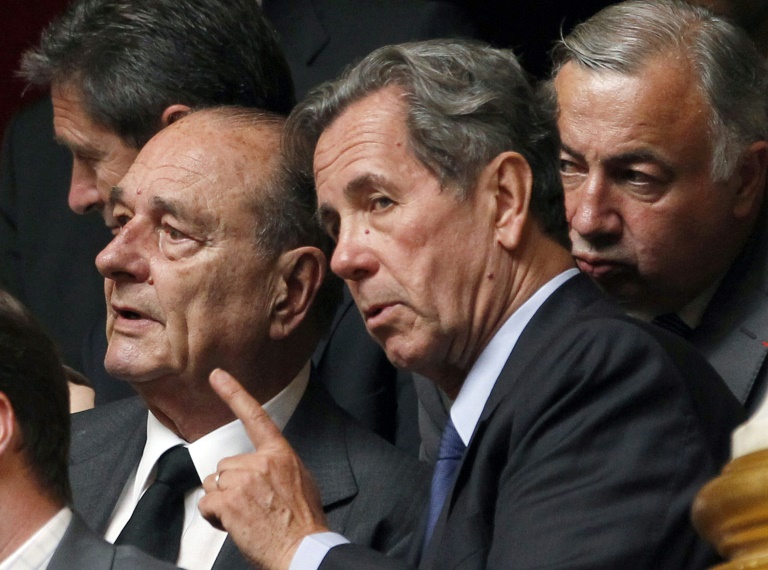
(639, 155)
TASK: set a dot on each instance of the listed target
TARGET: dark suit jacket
(81, 549)
(733, 333)
(47, 253)
(371, 492)
(321, 37)
(595, 439)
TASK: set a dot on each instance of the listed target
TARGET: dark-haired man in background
(119, 71)
(37, 527)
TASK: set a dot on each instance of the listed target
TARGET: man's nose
(84, 195)
(591, 207)
(125, 258)
(353, 258)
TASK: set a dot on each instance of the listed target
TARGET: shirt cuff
(313, 549)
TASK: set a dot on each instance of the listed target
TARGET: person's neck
(538, 260)
(26, 508)
(192, 410)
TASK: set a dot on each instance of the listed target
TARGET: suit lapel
(734, 330)
(99, 473)
(317, 435)
(572, 296)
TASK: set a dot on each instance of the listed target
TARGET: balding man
(218, 263)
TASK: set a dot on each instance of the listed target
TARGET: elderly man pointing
(578, 436)
(217, 263)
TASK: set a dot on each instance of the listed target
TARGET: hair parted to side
(33, 379)
(731, 73)
(131, 59)
(466, 103)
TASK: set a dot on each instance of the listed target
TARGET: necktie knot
(451, 445)
(157, 521)
(176, 469)
(674, 324)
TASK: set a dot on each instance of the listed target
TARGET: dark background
(528, 26)
(22, 24)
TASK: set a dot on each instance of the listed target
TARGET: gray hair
(466, 104)
(130, 59)
(732, 75)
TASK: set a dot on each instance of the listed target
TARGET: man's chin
(628, 294)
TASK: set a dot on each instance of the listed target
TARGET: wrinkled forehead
(200, 157)
(367, 134)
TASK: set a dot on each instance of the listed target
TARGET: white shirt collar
(476, 389)
(38, 550)
(226, 441)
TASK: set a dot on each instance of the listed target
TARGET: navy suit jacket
(594, 441)
(371, 492)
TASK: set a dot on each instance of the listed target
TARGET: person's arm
(267, 500)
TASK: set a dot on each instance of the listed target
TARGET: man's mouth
(597, 267)
(374, 313)
(128, 314)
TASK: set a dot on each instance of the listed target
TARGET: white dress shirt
(467, 407)
(37, 551)
(200, 542)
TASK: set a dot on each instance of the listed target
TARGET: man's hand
(266, 500)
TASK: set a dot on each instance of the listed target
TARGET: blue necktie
(448, 459)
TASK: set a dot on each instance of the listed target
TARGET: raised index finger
(260, 428)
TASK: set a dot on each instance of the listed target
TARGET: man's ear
(7, 424)
(511, 179)
(173, 113)
(751, 178)
(300, 275)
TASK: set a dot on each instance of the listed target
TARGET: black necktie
(448, 459)
(156, 523)
(673, 323)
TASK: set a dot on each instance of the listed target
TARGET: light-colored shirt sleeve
(313, 549)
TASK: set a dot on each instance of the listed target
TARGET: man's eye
(173, 233)
(637, 177)
(381, 203)
(175, 244)
(86, 160)
(569, 167)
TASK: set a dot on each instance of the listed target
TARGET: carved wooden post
(731, 511)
